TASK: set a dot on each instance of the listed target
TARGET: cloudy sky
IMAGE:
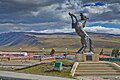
(48, 16)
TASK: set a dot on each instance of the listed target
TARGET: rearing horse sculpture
(79, 25)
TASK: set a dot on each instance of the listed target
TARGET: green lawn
(47, 69)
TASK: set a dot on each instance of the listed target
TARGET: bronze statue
(78, 25)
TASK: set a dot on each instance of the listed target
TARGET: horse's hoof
(69, 13)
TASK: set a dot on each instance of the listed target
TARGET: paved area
(22, 76)
(111, 77)
(9, 78)
(6, 75)
(18, 63)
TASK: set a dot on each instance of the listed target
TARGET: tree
(115, 52)
(119, 54)
(52, 52)
(101, 52)
(65, 55)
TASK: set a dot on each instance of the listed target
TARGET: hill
(17, 40)
(26, 41)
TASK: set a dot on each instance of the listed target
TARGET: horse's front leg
(84, 44)
(80, 49)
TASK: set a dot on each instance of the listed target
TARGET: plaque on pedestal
(88, 56)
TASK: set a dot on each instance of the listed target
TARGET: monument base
(87, 57)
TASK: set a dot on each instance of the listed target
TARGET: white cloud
(34, 13)
(8, 27)
(105, 22)
(95, 29)
(97, 9)
(52, 28)
(64, 30)
(52, 15)
(100, 29)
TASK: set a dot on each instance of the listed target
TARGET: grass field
(47, 69)
(44, 68)
(60, 42)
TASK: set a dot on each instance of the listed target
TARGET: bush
(115, 52)
(101, 53)
(52, 52)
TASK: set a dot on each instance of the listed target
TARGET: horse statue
(78, 25)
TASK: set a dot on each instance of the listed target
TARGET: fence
(109, 59)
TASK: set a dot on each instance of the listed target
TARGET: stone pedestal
(87, 57)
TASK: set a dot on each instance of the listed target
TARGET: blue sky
(50, 16)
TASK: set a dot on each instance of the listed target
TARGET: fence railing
(109, 59)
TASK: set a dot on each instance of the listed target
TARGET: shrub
(52, 52)
(115, 52)
(101, 53)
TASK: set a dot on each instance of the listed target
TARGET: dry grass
(47, 69)
(60, 42)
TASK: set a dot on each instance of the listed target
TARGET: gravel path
(5, 74)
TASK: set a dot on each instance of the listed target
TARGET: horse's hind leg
(84, 41)
(91, 46)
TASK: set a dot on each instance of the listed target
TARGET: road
(4, 75)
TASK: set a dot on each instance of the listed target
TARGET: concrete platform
(96, 69)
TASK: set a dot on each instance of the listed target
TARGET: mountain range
(13, 40)
(33, 41)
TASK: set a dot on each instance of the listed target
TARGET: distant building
(16, 54)
(70, 56)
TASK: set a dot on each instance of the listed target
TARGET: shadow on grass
(27, 67)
